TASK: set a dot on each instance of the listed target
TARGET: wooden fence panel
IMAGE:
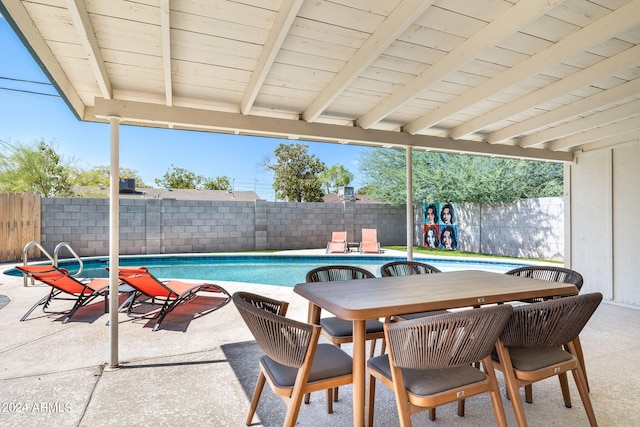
(20, 217)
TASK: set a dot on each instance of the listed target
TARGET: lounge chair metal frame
(62, 283)
(168, 293)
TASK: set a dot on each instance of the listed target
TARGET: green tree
(296, 173)
(176, 177)
(335, 177)
(35, 168)
(218, 183)
(459, 178)
(100, 175)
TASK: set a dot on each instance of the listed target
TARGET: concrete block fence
(531, 228)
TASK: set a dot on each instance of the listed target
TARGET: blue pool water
(263, 269)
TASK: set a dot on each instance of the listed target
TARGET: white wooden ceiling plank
(383, 35)
(548, 88)
(233, 12)
(631, 125)
(341, 15)
(290, 57)
(414, 52)
(385, 76)
(328, 33)
(200, 48)
(595, 120)
(427, 37)
(213, 98)
(608, 82)
(127, 10)
(272, 46)
(372, 84)
(550, 28)
(127, 35)
(399, 65)
(579, 12)
(484, 10)
(505, 24)
(317, 47)
(482, 68)
(448, 22)
(501, 56)
(218, 28)
(298, 77)
(524, 43)
(379, 7)
(603, 29)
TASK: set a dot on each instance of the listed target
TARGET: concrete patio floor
(202, 371)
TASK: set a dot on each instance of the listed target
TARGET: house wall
(602, 230)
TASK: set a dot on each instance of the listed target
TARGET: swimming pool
(283, 270)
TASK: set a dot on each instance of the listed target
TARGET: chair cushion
(344, 328)
(431, 381)
(532, 359)
(329, 362)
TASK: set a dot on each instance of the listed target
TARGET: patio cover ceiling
(536, 79)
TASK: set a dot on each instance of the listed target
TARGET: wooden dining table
(384, 297)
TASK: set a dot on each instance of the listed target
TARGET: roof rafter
(278, 33)
(600, 99)
(82, 24)
(393, 26)
(165, 34)
(599, 31)
(593, 121)
(602, 69)
(628, 125)
(517, 15)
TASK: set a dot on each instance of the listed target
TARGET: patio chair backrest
(264, 303)
(61, 279)
(370, 235)
(551, 274)
(332, 273)
(447, 340)
(284, 340)
(406, 268)
(549, 323)
(141, 279)
(339, 237)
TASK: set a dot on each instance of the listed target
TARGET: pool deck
(202, 371)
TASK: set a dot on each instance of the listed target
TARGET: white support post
(409, 204)
(114, 240)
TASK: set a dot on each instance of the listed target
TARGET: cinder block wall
(153, 226)
(530, 228)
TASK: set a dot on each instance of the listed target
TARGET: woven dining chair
(538, 342)
(409, 268)
(433, 361)
(551, 274)
(294, 363)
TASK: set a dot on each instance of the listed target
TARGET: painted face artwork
(431, 216)
(446, 240)
(431, 239)
(446, 216)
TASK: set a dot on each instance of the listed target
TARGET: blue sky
(26, 117)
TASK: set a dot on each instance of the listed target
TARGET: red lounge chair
(62, 282)
(338, 243)
(370, 242)
(170, 293)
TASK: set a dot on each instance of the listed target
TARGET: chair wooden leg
(432, 414)
(256, 397)
(511, 383)
(564, 386)
(580, 355)
(371, 404)
(528, 393)
(494, 393)
(461, 408)
(581, 382)
(329, 401)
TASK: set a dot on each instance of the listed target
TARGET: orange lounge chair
(170, 293)
(338, 243)
(62, 282)
(370, 242)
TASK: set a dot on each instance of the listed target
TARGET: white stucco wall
(603, 231)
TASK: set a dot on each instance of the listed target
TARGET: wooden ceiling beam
(284, 20)
(625, 126)
(165, 35)
(598, 32)
(521, 13)
(84, 29)
(600, 70)
(392, 27)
